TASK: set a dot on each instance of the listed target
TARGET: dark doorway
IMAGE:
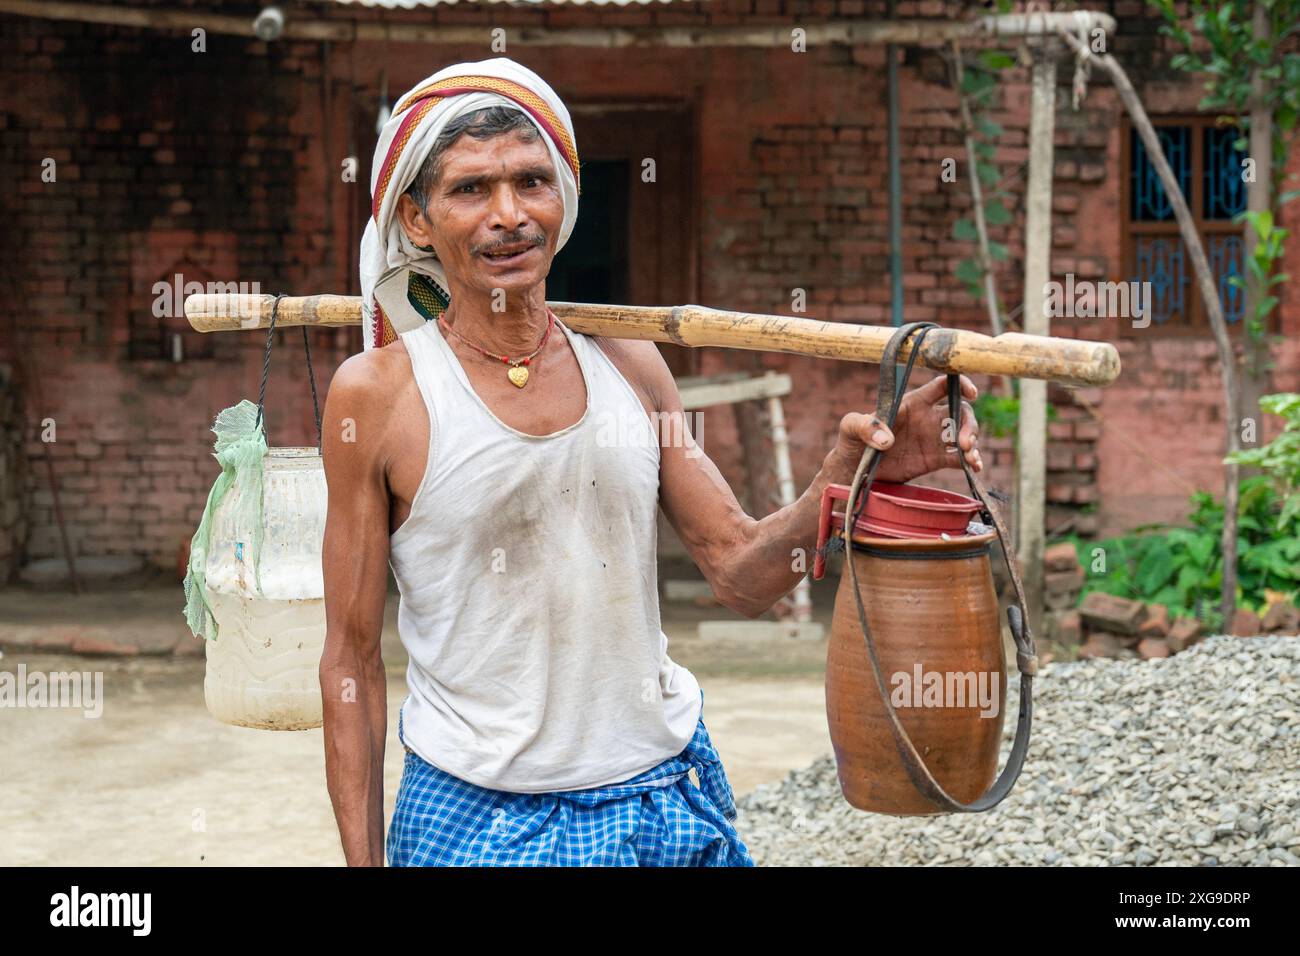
(592, 266)
(636, 231)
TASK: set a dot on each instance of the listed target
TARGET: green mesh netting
(240, 448)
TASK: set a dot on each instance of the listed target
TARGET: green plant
(1223, 46)
(979, 80)
(1280, 458)
(1182, 567)
(999, 415)
(1260, 263)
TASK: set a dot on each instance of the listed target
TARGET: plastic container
(895, 510)
(263, 667)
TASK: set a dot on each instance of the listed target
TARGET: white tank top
(529, 589)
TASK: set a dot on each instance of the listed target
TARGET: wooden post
(1031, 443)
(1259, 198)
(802, 595)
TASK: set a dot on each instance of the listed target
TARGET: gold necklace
(518, 373)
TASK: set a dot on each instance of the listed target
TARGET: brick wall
(163, 163)
(1149, 440)
(13, 476)
(220, 166)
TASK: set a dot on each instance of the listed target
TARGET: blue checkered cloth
(657, 818)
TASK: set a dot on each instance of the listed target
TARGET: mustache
(502, 243)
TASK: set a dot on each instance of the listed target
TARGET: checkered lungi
(657, 818)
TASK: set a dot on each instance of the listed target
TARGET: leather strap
(890, 396)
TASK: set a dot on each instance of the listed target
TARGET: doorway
(634, 242)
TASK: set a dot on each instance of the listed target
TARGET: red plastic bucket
(896, 511)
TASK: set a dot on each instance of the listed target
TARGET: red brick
(1100, 644)
(1066, 627)
(1281, 618)
(1156, 623)
(1064, 582)
(1108, 612)
(1061, 557)
(1151, 647)
(1183, 633)
(1245, 623)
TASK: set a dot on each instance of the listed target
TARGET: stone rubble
(1188, 760)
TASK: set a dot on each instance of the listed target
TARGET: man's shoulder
(641, 363)
(365, 386)
(360, 402)
(367, 373)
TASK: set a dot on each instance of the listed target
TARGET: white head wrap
(387, 255)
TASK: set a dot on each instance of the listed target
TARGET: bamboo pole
(299, 26)
(1067, 361)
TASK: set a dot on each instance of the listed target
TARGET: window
(1209, 169)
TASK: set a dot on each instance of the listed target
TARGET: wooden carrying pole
(1067, 361)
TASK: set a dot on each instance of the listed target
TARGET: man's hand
(917, 445)
(749, 562)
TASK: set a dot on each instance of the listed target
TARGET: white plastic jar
(263, 666)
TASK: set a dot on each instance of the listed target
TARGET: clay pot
(940, 613)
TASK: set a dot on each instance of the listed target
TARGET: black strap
(266, 372)
(923, 555)
(889, 398)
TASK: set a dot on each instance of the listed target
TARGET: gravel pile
(1190, 760)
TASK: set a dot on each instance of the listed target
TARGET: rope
(266, 364)
(1082, 59)
(311, 377)
(266, 374)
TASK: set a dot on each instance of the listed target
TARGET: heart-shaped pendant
(518, 375)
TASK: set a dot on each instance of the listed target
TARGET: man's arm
(354, 688)
(749, 563)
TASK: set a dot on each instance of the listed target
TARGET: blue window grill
(1150, 203)
(1224, 252)
(1205, 160)
(1160, 261)
(1225, 189)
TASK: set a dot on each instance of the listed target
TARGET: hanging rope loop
(266, 373)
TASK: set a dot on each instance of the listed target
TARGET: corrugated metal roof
(413, 4)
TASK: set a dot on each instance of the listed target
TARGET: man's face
(494, 217)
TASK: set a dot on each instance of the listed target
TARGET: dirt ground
(156, 780)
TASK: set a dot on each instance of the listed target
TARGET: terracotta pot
(932, 615)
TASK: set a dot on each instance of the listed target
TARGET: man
(546, 723)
